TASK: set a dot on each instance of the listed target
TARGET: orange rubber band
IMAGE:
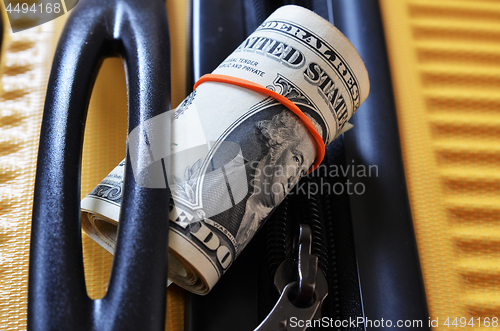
(320, 145)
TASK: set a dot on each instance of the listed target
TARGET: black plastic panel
(217, 29)
(389, 268)
(233, 303)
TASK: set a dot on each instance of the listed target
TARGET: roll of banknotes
(230, 155)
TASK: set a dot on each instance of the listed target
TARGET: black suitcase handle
(136, 297)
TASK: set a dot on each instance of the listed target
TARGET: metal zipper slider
(301, 298)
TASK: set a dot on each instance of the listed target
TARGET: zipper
(309, 209)
(302, 297)
(328, 216)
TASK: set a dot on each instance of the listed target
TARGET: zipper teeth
(276, 237)
(312, 216)
(333, 280)
(314, 210)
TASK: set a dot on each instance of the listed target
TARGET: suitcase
(365, 243)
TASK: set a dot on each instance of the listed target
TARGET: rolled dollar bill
(230, 155)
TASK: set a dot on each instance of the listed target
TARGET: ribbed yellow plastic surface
(24, 66)
(26, 59)
(445, 62)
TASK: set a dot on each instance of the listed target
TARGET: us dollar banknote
(230, 155)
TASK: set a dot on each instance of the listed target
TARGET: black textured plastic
(389, 268)
(136, 297)
(344, 300)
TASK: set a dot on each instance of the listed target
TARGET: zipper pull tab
(300, 298)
